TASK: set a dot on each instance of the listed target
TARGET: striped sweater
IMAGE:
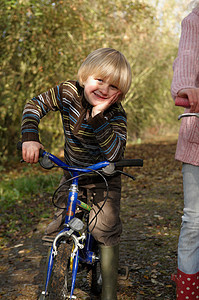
(86, 141)
(186, 75)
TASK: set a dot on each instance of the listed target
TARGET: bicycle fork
(74, 271)
(66, 232)
(72, 224)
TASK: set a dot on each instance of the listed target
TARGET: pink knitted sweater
(186, 75)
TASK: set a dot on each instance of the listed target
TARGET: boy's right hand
(30, 151)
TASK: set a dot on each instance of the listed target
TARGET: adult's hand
(193, 96)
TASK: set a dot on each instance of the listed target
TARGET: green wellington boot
(109, 270)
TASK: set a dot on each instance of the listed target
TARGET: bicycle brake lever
(126, 174)
(110, 170)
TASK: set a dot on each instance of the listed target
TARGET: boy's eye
(98, 79)
(114, 87)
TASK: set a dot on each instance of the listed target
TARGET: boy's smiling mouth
(99, 96)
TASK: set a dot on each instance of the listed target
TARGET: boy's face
(98, 90)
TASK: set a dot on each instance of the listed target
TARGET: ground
(151, 210)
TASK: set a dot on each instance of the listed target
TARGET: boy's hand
(105, 104)
(30, 151)
(193, 96)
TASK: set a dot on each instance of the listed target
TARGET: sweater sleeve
(110, 132)
(37, 108)
(186, 65)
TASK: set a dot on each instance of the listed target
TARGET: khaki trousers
(105, 220)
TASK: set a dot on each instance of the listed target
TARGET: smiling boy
(94, 125)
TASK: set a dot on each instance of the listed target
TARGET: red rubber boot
(187, 286)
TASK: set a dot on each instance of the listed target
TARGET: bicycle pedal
(69, 297)
(48, 244)
(48, 240)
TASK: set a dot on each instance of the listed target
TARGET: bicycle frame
(72, 203)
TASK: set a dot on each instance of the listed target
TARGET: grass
(25, 199)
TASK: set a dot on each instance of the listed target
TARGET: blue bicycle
(74, 246)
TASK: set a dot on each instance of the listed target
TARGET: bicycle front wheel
(60, 282)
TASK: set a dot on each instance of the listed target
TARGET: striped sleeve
(37, 108)
(111, 133)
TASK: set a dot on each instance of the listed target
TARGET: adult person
(186, 84)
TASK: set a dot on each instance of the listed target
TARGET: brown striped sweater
(86, 141)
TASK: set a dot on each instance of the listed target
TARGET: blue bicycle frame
(72, 203)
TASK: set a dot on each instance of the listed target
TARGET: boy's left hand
(105, 104)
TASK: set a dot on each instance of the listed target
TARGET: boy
(94, 125)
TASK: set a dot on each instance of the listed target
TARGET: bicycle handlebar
(129, 163)
(184, 102)
(101, 165)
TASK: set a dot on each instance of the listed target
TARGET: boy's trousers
(106, 227)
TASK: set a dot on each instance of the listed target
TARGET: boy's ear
(81, 84)
(80, 81)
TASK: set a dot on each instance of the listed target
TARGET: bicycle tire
(59, 283)
(94, 275)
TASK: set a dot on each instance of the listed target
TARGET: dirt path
(151, 212)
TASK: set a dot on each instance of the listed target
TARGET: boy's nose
(104, 89)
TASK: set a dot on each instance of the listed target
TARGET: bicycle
(184, 102)
(74, 244)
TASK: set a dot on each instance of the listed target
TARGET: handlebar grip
(129, 163)
(19, 147)
(41, 151)
(184, 102)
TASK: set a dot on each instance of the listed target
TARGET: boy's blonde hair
(110, 64)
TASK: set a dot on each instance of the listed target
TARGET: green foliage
(14, 190)
(44, 43)
(23, 194)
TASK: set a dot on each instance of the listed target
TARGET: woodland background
(44, 42)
